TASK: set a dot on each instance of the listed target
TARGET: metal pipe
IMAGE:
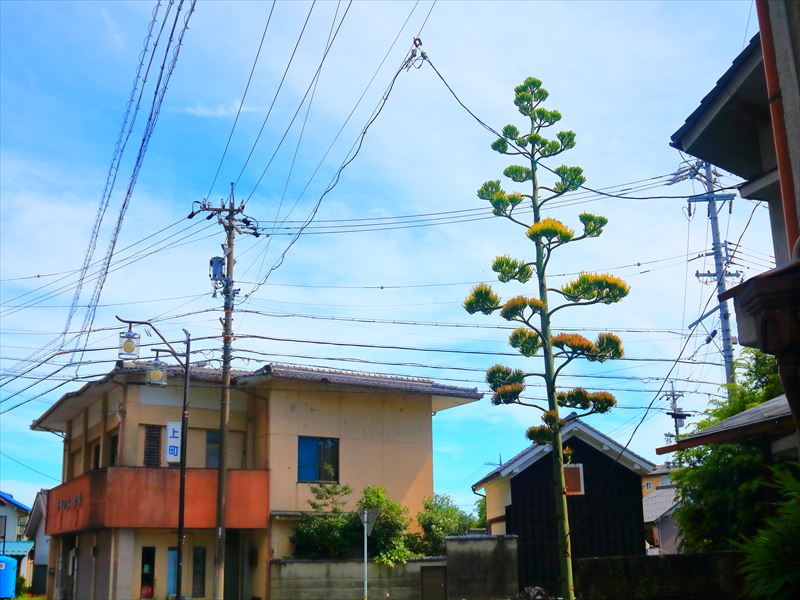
(788, 198)
(366, 564)
(186, 364)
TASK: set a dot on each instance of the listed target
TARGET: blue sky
(623, 74)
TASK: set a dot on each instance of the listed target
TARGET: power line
(275, 96)
(119, 150)
(300, 105)
(19, 462)
(241, 103)
(511, 143)
(152, 119)
(350, 157)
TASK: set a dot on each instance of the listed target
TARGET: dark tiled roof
(416, 385)
(677, 137)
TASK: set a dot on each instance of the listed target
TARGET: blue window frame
(317, 459)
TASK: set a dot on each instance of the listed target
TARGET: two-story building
(657, 478)
(113, 521)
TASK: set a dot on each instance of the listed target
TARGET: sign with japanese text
(172, 449)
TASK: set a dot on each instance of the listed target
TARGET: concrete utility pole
(675, 411)
(228, 215)
(719, 273)
(228, 293)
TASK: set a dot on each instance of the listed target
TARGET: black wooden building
(604, 502)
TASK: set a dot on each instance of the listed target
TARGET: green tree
(327, 532)
(480, 510)
(439, 518)
(721, 486)
(547, 234)
(387, 542)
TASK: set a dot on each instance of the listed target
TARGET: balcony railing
(129, 497)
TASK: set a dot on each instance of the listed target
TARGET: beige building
(657, 478)
(113, 520)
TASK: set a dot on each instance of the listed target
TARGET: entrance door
(232, 573)
(172, 572)
(434, 583)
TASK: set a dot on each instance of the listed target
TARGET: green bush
(772, 557)
(387, 542)
(438, 519)
(330, 532)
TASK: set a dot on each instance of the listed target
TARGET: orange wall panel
(131, 497)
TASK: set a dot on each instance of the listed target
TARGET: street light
(157, 371)
(129, 344)
(157, 375)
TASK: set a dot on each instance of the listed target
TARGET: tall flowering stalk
(534, 313)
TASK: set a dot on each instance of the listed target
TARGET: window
(21, 522)
(212, 449)
(96, 456)
(113, 450)
(198, 572)
(152, 446)
(317, 459)
(648, 485)
(665, 480)
(573, 477)
(148, 578)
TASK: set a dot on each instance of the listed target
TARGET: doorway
(434, 583)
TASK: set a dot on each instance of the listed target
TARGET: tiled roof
(658, 502)
(9, 499)
(416, 385)
(769, 410)
(677, 137)
(390, 383)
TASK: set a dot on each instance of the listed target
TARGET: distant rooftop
(6, 498)
(658, 502)
(662, 469)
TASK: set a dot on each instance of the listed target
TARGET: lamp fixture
(128, 344)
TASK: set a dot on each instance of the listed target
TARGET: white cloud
(220, 110)
(625, 79)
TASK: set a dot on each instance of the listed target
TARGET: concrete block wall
(481, 567)
(344, 579)
(478, 567)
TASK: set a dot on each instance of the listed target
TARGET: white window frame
(578, 466)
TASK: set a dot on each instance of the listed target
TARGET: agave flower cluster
(533, 313)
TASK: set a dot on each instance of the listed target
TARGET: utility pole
(675, 411)
(232, 219)
(719, 274)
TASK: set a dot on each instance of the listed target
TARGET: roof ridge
(388, 376)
